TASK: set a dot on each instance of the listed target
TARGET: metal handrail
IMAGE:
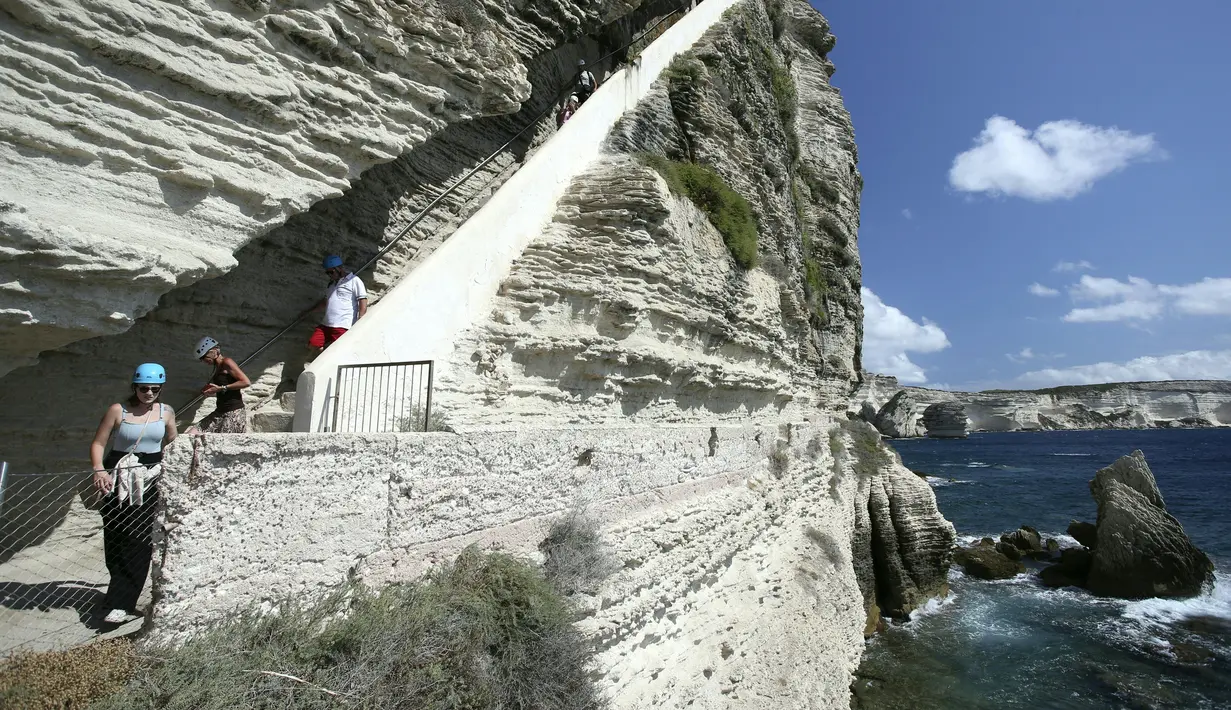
(456, 184)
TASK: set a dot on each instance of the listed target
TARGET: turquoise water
(1016, 644)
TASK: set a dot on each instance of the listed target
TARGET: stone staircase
(278, 414)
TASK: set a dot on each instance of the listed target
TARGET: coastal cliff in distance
(897, 411)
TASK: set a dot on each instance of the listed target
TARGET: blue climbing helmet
(332, 261)
(149, 373)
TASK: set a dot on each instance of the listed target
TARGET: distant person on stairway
(586, 84)
(346, 301)
(229, 415)
(566, 111)
(127, 481)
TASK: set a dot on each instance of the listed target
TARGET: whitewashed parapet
(422, 317)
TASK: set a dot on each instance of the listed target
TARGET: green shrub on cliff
(487, 631)
(728, 211)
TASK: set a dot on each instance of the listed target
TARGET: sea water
(1016, 644)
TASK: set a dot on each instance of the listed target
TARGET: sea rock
(987, 563)
(1071, 571)
(1141, 550)
(1009, 550)
(902, 545)
(945, 420)
(900, 417)
(1052, 545)
(1084, 533)
(1024, 538)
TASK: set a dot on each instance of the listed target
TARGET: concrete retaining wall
(421, 317)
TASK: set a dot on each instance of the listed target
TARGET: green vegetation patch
(727, 210)
(869, 452)
(487, 631)
(575, 559)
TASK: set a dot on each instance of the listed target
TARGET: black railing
(533, 123)
(384, 397)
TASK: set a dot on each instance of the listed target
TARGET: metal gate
(383, 397)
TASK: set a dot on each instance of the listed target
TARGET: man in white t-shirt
(346, 300)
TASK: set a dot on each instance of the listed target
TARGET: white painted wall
(423, 315)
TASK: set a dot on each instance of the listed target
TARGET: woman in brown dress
(229, 416)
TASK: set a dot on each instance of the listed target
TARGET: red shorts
(324, 335)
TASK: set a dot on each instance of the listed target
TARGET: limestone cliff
(341, 121)
(629, 305)
(1123, 405)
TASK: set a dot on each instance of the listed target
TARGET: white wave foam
(978, 464)
(937, 481)
(1164, 612)
(1072, 454)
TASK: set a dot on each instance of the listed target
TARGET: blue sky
(1080, 146)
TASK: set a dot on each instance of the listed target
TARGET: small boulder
(1084, 533)
(986, 563)
(1024, 538)
(1052, 546)
(1141, 550)
(1070, 571)
(1054, 576)
(1008, 550)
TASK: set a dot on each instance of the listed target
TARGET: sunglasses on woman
(152, 389)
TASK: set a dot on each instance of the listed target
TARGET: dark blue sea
(1017, 644)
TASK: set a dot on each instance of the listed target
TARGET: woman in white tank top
(142, 426)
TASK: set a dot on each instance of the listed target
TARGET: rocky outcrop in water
(1125, 405)
(945, 420)
(902, 545)
(986, 560)
(900, 417)
(1141, 550)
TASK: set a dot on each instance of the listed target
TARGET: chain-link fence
(56, 564)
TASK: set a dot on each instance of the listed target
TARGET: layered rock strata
(902, 544)
(629, 305)
(1126, 405)
(739, 584)
(945, 420)
(277, 275)
(900, 417)
(1140, 549)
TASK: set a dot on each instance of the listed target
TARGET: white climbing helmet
(207, 343)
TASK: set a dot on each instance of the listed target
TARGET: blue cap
(149, 373)
(332, 261)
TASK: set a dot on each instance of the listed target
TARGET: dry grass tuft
(487, 631)
(576, 561)
(65, 680)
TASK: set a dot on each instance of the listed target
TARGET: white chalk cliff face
(1124, 405)
(97, 245)
(143, 143)
(629, 304)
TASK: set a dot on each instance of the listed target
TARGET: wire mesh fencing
(60, 575)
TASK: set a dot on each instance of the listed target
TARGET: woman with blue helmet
(142, 426)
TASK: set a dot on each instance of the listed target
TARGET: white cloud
(1058, 160)
(1065, 266)
(1024, 355)
(1192, 365)
(1136, 299)
(1207, 297)
(1039, 289)
(908, 214)
(889, 334)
